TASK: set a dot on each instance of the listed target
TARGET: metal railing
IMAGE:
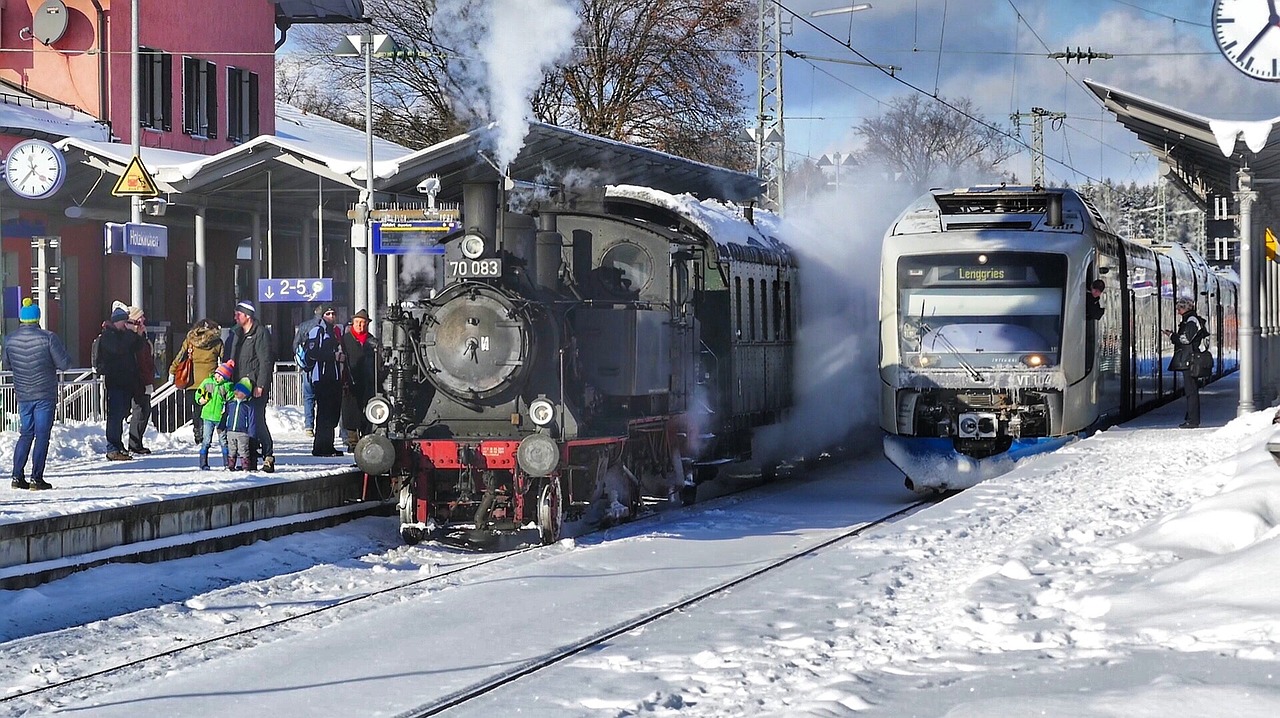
(82, 397)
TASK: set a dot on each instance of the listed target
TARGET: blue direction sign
(412, 237)
(139, 238)
(284, 289)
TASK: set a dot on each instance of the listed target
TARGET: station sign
(136, 238)
(420, 236)
(286, 289)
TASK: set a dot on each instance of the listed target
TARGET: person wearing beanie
(35, 356)
(226, 371)
(140, 402)
(240, 420)
(29, 313)
(300, 360)
(249, 345)
(203, 344)
(212, 396)
(115, 359)
(361, 349)
(325, 367)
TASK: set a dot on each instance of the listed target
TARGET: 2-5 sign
(283, 289)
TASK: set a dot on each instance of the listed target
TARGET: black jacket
(252, 354)
(116, 359)
(1187, 339)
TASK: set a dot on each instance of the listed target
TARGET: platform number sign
(283, 289)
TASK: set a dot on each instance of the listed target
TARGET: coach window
(737, 306)
(751, 310)
(764, 310)
(791, 329)
(777, 311)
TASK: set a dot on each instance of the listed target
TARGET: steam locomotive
(989, 350)
(578, 356)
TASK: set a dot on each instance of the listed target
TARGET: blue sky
(994, 51)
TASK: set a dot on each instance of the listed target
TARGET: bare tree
(925, 141)
(659, 73)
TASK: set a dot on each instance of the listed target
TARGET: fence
(81, 397)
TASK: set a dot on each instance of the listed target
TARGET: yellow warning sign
(135, 182)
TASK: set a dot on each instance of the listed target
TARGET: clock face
(35, 169)
(1248, 34)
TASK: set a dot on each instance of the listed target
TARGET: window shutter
(166, 90)
(253, 104)
(211, 100)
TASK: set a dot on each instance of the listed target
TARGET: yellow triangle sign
(135, 182)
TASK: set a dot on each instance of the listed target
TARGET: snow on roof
(343, 147)
(21, 113)
(722, 221)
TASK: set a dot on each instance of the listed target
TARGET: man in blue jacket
(35, 357)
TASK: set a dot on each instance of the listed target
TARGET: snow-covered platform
(162, 505)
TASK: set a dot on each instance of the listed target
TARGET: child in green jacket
(212, 394)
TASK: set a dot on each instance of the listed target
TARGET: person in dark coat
(204, 345)
(116, 361)
(140, 408)
(308, 393)
(250, 347)
(1188, 340)
(35, 356)
(362, 351)
(323, 362)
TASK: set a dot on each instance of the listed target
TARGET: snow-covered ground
(1132, 573)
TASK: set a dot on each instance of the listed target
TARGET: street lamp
(365, 267)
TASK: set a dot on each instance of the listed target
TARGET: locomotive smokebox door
(479, 344)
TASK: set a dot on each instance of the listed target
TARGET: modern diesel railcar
(988, 350)
(578, 357)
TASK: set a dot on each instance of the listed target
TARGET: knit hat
(244, 385)
(362, 314)
(246, 307)
(135, 313)
(226, 371)
(323, 307)
(29, 313)
(119, 314)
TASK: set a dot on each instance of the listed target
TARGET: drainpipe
(104, 108)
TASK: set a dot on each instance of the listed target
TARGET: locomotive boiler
(577, 357)
(990, 349)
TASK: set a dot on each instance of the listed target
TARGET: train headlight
(375, 454)
(538, 455)
(925, 361)
(1035, 361)
(541, 412)
(968, 425)
(377, 411)
(472, 245)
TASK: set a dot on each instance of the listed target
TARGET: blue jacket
(35, 355)
(239, 416)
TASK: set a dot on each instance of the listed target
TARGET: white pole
(371, 271)
(1245, 309)
(135, 132)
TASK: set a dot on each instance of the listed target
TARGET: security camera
(429, 186)
(155, 206)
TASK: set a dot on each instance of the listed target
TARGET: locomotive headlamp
(472, 245)
(923, 360)
(541, 411)
(538, 455)
(1035, 360)
(377, 411)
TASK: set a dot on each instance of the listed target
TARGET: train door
(1163, 314)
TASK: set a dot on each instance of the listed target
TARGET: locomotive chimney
(547, 255)
(480, 211)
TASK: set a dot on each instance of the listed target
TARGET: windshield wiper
(949, 347)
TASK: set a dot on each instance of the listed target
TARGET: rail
(82, 398)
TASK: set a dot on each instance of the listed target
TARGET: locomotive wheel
(408, 514)
(550, 512)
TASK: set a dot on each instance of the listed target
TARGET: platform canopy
(299, 12)
(1188, 146)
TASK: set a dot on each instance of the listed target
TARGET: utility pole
(1038, 116)
(768, 134)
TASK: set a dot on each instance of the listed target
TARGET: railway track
(451, 578)
(532, 666)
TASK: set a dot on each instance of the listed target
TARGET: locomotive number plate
(472, 268)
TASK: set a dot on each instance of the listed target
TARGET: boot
(269, 464)
(204, 460)
(244, 463)
(233, 463)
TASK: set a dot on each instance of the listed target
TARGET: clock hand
(1257, 39)
(1274, 18)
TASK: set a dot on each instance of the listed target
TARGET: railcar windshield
(976, 309)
